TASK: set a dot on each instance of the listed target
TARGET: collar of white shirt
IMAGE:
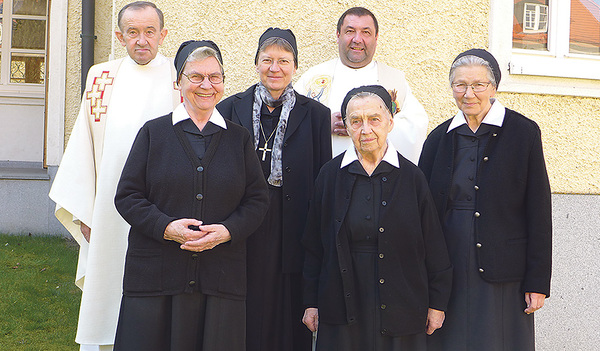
(495, 116)
(370, 66)
(390, 156)
(180, 114)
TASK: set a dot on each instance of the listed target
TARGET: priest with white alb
(330, 81)
(120, 96)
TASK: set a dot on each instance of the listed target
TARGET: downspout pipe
(88, 12)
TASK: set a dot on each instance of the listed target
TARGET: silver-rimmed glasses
(477, 87)
(197, 78)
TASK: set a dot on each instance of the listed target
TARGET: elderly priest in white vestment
(120, 96)
(328, 83)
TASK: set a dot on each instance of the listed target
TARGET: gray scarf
(288, 100)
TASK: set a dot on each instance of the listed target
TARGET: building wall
(420, 37)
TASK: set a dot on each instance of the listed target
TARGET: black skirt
(185, 322)
(274, 299)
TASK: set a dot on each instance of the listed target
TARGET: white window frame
(555, 71)
(18, 90)
(538, 15)
(56, 81)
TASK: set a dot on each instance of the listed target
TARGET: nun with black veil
(377, 270)
(193, 191)
(486, 170)
(292, 140)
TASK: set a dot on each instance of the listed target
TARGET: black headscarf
(187, 47)
(375, 89)
(486, 56)
(284, 34)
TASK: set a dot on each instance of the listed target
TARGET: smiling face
(473, 105)
(140, 34)
(275, 67)
(357, 41)
(201, 98)
(368, 122)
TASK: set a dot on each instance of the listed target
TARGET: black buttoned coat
(412, 256)
(306, 147)
(163, 180)
(513, 219)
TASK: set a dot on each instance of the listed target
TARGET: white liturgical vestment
(330, 81)
(120, 97)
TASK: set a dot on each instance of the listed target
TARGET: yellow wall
(420, 37)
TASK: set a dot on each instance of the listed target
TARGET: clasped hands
(205, 238)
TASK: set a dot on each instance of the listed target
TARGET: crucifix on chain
(264, 150)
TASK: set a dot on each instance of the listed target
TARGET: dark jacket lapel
(242, 109)
(298, 113)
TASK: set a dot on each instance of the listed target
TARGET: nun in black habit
(192, 191)
(292, 138)
(486, 171)
(377, 271)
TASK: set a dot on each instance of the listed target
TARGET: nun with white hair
(486, 170)
(377, 271)
(192, 191)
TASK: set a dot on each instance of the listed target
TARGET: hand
(337, 124)
(534, 301)
(435, 319)
(211, 236)
(178, 230)
(86, 231)
(311, 318)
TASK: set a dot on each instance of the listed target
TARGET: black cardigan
(306, 147)
(513, 220)
(163, 180)
(413, 260)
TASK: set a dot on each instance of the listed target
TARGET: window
(23, 37)
(548, 40)
(535, 18)
(584, 33)
(530, 25)
(23, 44)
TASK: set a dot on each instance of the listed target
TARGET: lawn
(39, 301)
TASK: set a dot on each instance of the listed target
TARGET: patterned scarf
(288, 100)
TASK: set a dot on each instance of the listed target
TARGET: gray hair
(471, 60)
(203, 53)
(278, 42)
(364, 95)
(140, 5)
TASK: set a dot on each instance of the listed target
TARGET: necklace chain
(263, 133)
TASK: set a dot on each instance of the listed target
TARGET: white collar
(180, 114)
(495, 116)
(390, 156)
(155, 62)
(369, 66)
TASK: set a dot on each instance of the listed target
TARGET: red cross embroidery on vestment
(96, 94)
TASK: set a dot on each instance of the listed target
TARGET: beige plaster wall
(420, 37)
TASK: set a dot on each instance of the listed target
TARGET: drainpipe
(87, 39)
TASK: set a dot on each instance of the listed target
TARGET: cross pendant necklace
(265, 148)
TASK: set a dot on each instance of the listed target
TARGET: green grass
(39, 302)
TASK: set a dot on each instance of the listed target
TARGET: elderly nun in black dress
(192, 191)
(377, 270)
(487, 174)
(292, 139)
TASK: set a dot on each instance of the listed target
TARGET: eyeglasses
(462, 87)
(197, 78)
